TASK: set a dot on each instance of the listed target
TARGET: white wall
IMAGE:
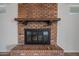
(68, 29)
(8, 27)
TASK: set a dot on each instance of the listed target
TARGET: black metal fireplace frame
(25, 40)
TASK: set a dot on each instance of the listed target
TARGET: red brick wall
(36, 11)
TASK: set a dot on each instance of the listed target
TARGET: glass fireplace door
(40, 37)
(34, 37)
(37, 36)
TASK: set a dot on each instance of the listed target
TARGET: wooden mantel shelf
(26, 20)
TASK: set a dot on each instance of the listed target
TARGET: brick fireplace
(37, 30)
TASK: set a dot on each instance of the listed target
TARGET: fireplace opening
(37, 36)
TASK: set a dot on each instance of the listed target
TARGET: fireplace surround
(37, 30)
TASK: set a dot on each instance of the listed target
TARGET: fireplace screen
(37, 36)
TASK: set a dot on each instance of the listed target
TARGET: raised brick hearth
(37, 50)
(37, 16)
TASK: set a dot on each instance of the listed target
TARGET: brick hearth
(37, 50)
(37, 12)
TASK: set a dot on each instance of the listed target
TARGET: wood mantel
(26, 20)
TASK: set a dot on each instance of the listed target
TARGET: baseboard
(4, 53)
(71, 53)
(65, 54)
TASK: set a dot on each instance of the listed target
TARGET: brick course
(37, 10)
